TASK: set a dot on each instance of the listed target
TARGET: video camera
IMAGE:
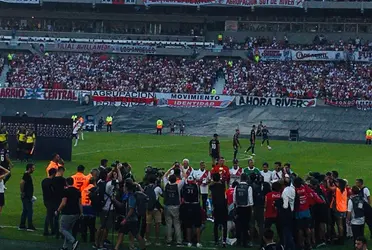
(158, 172)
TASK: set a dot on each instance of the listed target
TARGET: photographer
(129, 225)
(172, 202)
(154, 209)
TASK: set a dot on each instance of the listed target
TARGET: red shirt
(230, 196)
(302, 194)
(223, 171)
(270, 209)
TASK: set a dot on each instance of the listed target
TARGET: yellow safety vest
(159, 124)
(219, 37)
(30, 138)
(21, 137)
(109, 120)
(213, 92)
(74, 117)
(3, 137)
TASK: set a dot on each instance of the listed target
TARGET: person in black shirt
(220, 212)
(58, 185)
(214, 149)
(47, 187)
(265, 136)
(190, 195)
(259, 129)
(27, 193)
(172, 126)
(5, 161)
(268, 238)
(236, 143)
(70, 209)
(182, 128)
(252, 140)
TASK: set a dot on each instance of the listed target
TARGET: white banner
(315, 55)
(274, 101)
(21, 1)
(122, 98)
(245, 3)
(363, 56)
(364, 104)
(275, 54)
(193, 100)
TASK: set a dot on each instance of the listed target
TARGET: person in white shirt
(266, 173)
(277, 174)
(3, 173)
(203, 178)
(355, 213)
(75, 131)
(186, 168)
(235, 172)
(364, 191)
(286, 214)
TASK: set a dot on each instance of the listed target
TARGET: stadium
(241, 124)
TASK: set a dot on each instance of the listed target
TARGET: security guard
(369, 136)
(159, 126)
(30, 143)
(214, 91)
(109, 123)
(74, 117)
(243, 200)
(21, 142)
(3, 137)
(220, 39)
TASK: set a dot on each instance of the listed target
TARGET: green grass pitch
(352, 161)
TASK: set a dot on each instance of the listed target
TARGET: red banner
(39, 94)
(60, 94)
(246, 3)
(340, 103)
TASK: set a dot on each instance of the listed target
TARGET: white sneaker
(157, 244)
(198, 245)
(253, 154)
(147, 243)
(189, 244)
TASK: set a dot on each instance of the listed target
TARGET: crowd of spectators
(88, 72)
(340, 80)
(1, 64)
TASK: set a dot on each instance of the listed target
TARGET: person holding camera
(129, 225)
(191, 211)
(172, 202)
(153, 213)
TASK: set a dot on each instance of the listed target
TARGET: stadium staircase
(3, 75)
(219, 85)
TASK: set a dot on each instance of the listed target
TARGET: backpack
(97, 196)
(150, 192)
(141, 203)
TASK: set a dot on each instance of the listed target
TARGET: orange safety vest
(86, 183)
(341, 201)
(85, 201)
(79, 180)
(51, 165)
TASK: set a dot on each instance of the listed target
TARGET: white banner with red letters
(193, 100)
(245, 3)
(122, 98)
(274, 101)
(315, 55)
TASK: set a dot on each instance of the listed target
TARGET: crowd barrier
(131, 99)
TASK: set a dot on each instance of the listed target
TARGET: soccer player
(75, 131)
(172, 126)
(265, 137)
(81, 130)
(236, 143)
(203, 178)
(182, 128)
(5, 161)
(252, 140)
(266, 173)
(235, 172)
(214, 149)
(259, 129)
